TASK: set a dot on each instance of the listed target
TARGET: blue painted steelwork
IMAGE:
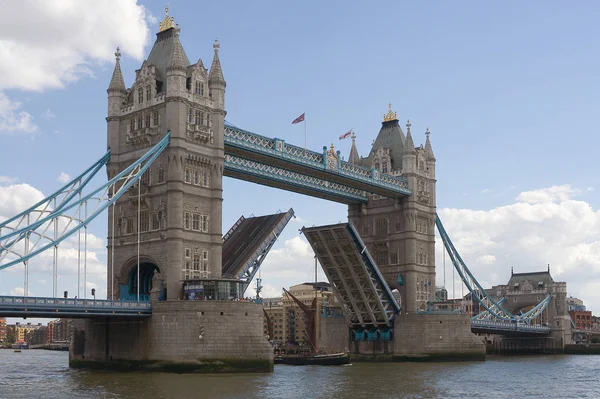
(374, 271)
(508, 326)
(250, 268)
(494, 307)
(70, 190)
(293, 181)
(14, 306)
(485, 315)
(50, 204)
(104, 197)
(355, 278)
(277, 152)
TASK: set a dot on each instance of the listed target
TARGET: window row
(422, 226)
(421, 259)
(195, 222)
(198, 117)
(161, 176)
(198, 177)
(141, 94)
(147, 120)
(148, 222)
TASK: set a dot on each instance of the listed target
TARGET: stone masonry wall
(231, 330)
(436, 337)
(181, 336)
(333, 334)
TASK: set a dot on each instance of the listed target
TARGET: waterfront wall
(524, 346)
(181, 336)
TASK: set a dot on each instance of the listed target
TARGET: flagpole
(305, 132)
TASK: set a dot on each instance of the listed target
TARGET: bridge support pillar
(424, 337)
(180, 336)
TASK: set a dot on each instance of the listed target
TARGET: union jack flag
(298, 119)
(346, 135)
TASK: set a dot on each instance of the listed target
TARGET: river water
(45, 374)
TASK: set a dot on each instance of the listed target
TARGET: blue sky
(508, 90)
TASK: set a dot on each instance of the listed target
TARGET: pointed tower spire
(428, 149)
(117, 82)
(177, 58)
(216, 73)
(354, 158)
(409, 145)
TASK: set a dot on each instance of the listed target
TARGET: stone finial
(216, 45)
(118, 54)
(408, 125)
(427, 132)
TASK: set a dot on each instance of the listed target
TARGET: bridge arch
(128, 288)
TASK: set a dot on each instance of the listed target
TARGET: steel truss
(354, 276)
(50, 226)
(493, 308)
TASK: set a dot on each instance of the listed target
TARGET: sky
(508, 91)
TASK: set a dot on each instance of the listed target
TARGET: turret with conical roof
(116, 82)
(409, 155)
(215, 75)
(354, 158)
(176, 70)
(216, 82)
(428, 149)
(117, 95)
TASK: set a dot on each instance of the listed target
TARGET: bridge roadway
(508, 328)
(245, 239)
(16, 306)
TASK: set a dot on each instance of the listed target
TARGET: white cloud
(48, 114)
(18, 291)
(551, 194)
(70, 36)
(545, 226)
(16, 198)
(64, 177)
(7, 180)
(12, 118)
(289, 265)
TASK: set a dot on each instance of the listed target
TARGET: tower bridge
(169, 149)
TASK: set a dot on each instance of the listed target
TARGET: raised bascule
(176, 284)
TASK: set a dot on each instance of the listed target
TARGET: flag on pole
(298, 119)
(346, 135)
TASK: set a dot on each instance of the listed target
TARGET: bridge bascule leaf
(49, 222)
(354, 275)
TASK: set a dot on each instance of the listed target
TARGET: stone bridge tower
(181, 194)
(400, 234)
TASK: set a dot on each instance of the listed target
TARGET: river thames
(39, 373)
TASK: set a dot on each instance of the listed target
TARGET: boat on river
(304, 359)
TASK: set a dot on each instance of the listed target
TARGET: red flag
(298, 119)
(346, 135)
